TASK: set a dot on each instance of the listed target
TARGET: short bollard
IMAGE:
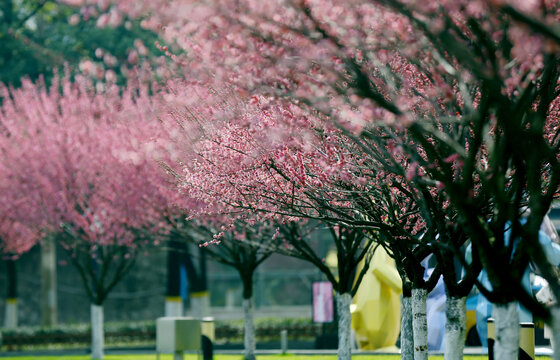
(284, 341)
(526, 340)
(208, 335)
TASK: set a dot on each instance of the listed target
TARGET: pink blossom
(74, 19)
(132, 57)
(452, 158)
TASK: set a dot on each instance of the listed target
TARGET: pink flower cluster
(83, 161)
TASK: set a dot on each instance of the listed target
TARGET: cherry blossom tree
(83, 161)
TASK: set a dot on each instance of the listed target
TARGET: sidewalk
(539, 351)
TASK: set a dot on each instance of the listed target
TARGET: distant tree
(85, 161)
(44, 35)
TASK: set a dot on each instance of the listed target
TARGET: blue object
(183, 281)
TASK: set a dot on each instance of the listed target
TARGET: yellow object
(471, 321)
(199, 294)
(11, 301)
(173, 299)
(376, 310)
(527, 341)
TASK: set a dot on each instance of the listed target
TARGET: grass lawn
(235, 357)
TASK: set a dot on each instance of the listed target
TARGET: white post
(420, 324)
(249, 327)
(97, 338)
(343, 302)
(173, 306)
(11, 319)
(455, 328)
(407, 343)
(284, 341)
(506, 320)
(200, 304)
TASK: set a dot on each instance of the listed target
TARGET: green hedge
(143, 333)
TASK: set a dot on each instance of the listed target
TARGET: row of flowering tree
(466, 92)
(415, 125)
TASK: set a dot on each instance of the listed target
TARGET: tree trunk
(11, 318)
(506, 320)
(249, 327)
(48, 282)
(343, 302)
(420, 324)
(455, 328)
(555, 336)
(97, 338)
(407, 344)
(200, 304)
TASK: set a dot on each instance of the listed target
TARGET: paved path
(539, 351)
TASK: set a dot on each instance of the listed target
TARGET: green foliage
(269, 322)
(37, 37)
(143, 333)
(72, 329)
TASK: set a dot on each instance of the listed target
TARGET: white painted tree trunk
(173, 306)
(407, 343)
(506, 320)
(343, 302)
(11, 318)
(455, 328)
(200, 304)
(555, 336)
(48, 283)
(249, 327)
(97, 338)
(420, 324)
